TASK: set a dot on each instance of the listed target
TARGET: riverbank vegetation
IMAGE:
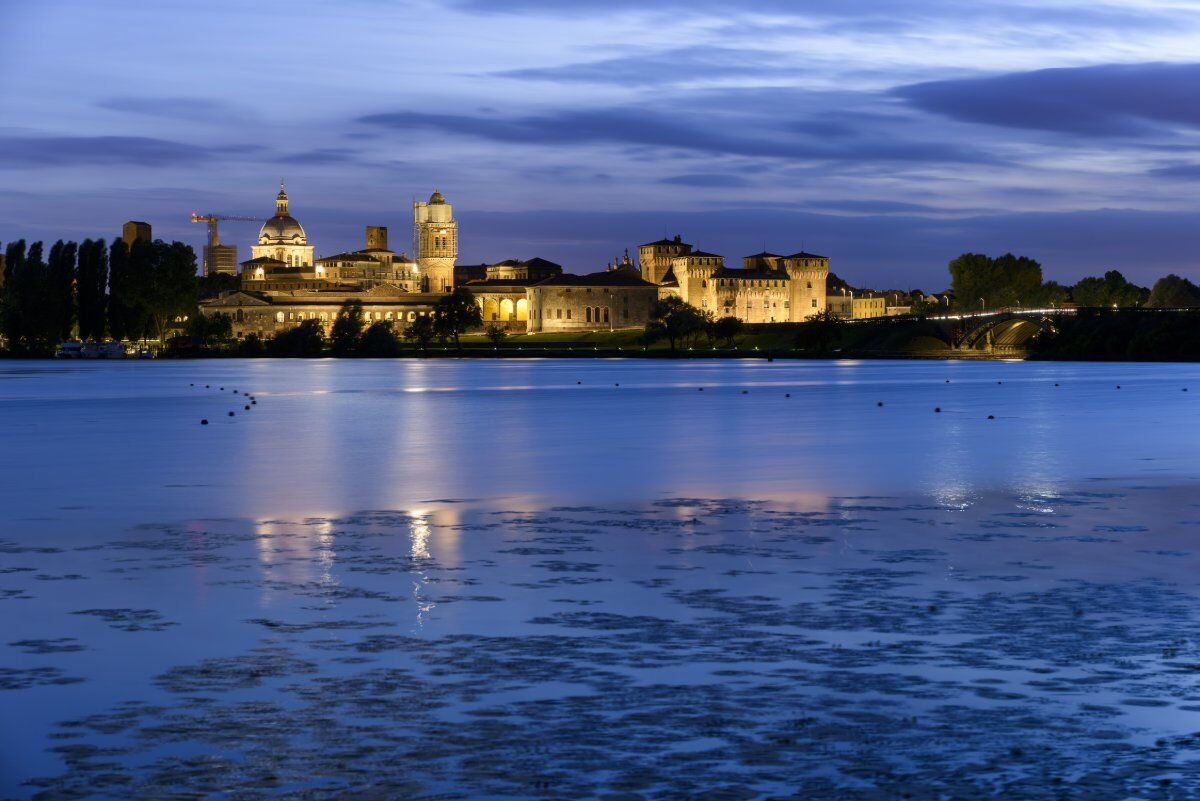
(1122, 335)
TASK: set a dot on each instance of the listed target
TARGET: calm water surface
(614, 579)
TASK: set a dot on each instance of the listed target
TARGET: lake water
(599, 579)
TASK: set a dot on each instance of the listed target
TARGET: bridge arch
(1005, 332)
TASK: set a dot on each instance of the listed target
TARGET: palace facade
(283, 283)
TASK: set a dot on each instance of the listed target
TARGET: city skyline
(891, 136)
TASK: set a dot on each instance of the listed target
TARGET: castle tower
(656, 257)
(435, 243)
(808, 273)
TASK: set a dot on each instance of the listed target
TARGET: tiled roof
(744, 274)
(603, 278)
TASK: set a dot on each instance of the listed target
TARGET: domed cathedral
(282, 237)
(435, 243)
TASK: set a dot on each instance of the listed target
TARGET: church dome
(282, 229)
(436, 198)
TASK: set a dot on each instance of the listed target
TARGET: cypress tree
(32, 330)
(91, 282)
(10, 313)
(100, 288)
(84, 289)
(60, 291)
(119, 318)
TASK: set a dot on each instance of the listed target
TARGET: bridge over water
(1000, 331)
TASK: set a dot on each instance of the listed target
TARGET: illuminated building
(767, 288)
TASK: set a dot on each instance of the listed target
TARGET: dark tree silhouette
(1174, 292)
(456, 314)
(820, 333)
(91, 282)
(347, 329)
(727, 328)
(496, 334)
(122, 320)
(422, 331)
(60, 308)
(304, 341)
(379, 341)
(674, 320)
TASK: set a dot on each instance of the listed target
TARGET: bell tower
(281, 202)
(435, 243)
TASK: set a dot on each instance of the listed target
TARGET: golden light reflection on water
(296, 552)
(419, 532)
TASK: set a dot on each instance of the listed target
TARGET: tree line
(93, 290)
(979, 281)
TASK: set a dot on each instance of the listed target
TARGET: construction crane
(217, 258)
(212, 220)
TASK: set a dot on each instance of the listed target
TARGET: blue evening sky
(890, 135)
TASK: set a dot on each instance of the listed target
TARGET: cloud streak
(34, 152)
(1114, 100)
(715, 135)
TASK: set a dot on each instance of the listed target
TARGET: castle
(283, 284)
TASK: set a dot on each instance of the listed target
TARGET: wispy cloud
(778, 136)
(1106, 100)
(179, 108)
(58, 151)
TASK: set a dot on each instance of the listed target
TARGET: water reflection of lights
(419, 531)
(291, 551)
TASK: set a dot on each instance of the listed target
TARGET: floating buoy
(701, 389)
(937, 408)
(578, 382)
(616, 385)
(745, 392)
(1118, 386)
(788, 395)
(231, 414)
(204, 422)
(999, 382)
(247, 407)
(947, 380)
(254, 402)
(991, 417)
(222, 389)
(207, 386)
(1056, 385)
(880, 403)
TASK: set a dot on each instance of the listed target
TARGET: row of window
(327, 316)
(591, 314)
(750, 282)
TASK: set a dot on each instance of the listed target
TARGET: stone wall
(590, 308)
